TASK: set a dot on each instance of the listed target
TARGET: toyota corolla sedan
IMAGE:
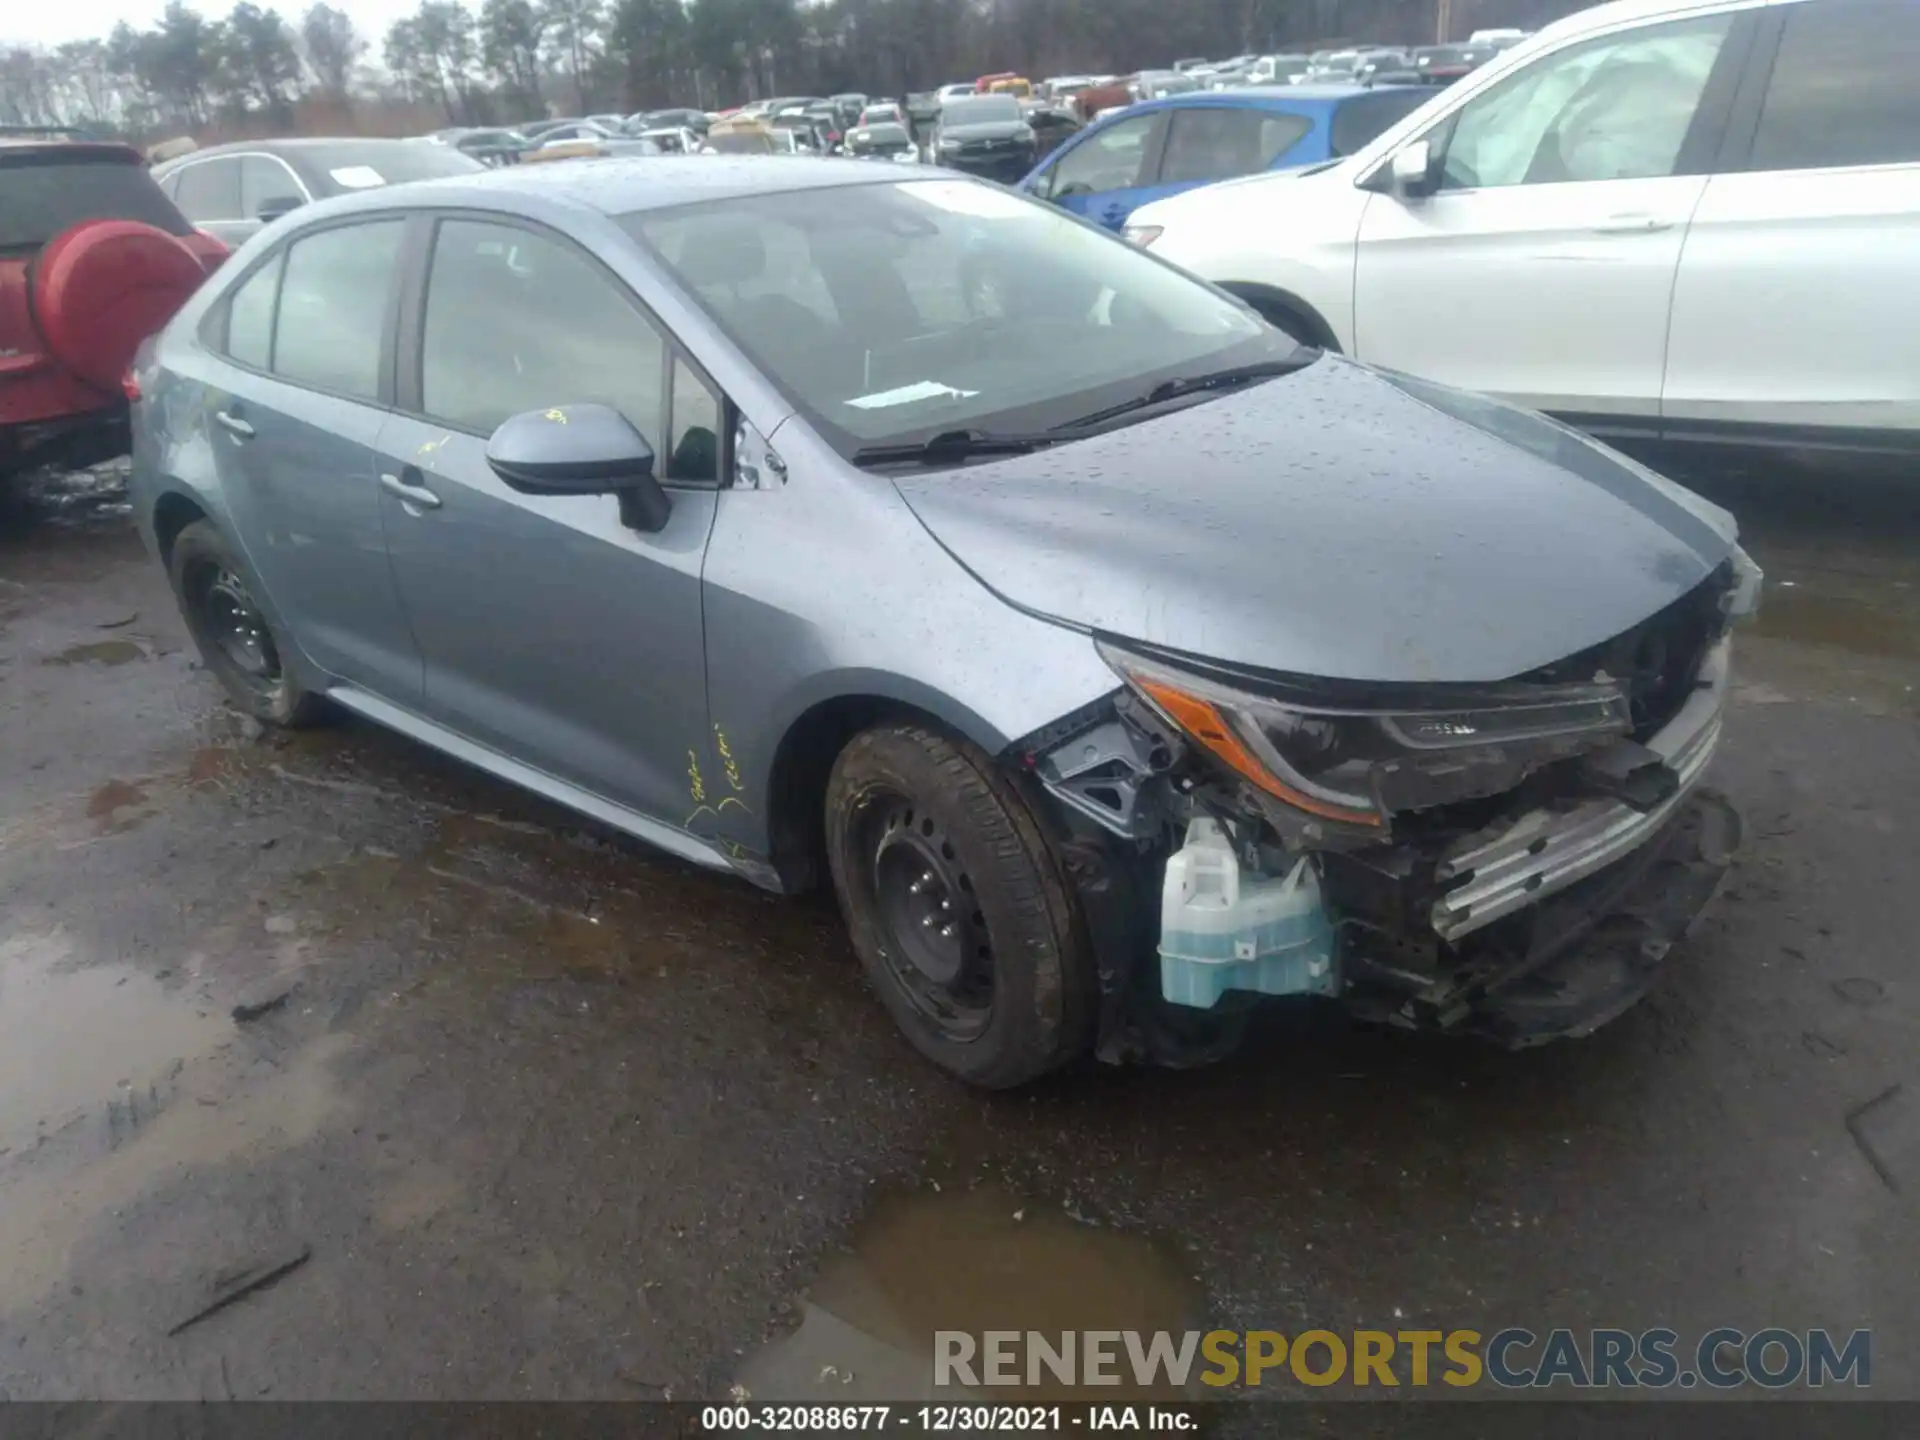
(1118, 661)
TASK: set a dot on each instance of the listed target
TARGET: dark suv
(93, 259)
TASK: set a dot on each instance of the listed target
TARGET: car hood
(1340, 522)
(987, 130)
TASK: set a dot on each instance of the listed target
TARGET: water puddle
(98, 652)
(969, 1260)
(76, 1038)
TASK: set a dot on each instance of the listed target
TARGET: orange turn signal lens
(1203, 721)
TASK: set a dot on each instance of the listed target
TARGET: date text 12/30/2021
(950, 1419)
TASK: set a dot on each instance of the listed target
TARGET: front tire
(958, 911)
(232, 632)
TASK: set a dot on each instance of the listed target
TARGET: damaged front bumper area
(1529, 895)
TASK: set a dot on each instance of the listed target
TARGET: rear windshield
(43, 193)
(980, 110)
(1360, 119)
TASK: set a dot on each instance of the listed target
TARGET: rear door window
(1218, 144)
(44, 192)
(250, 316)
(1845, 88)
(210, 190)
(331, 321)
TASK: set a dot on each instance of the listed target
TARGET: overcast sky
(48, 22)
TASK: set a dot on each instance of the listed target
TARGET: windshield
(980, 110)
(895, 312)
(364, 165)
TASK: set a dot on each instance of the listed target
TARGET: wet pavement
(525, 1110)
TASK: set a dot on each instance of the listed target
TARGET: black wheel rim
(225, 614)
(937, 950)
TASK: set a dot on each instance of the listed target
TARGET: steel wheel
(234, 623)
(938, 950)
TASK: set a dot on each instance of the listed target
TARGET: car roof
(621, 186)
(1619, 10)
(296, 146)
(23, 147)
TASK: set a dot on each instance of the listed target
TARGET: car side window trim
(408, 354)
(276, 256)
(1701, 148)
(1750, 96)
(173, 177)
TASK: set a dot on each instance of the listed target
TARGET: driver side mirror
(581, 450)
(1410, 171)
(272, 210)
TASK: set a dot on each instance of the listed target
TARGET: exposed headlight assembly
(1354, 767)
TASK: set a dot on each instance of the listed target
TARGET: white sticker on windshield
(357, 177)
(967, 197)
(909, 394)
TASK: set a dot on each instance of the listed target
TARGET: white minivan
(1682, 219)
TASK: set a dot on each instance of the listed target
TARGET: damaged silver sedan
(1117, 661)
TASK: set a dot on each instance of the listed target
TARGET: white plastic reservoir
(1222, 928)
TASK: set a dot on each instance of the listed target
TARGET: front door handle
(1633, 225)
(233, 424)
(410, 492)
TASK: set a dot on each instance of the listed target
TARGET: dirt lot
(525, 1111)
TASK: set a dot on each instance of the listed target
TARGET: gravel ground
(523, 1110)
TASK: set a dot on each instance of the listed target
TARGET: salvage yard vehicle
(1118, 660)
(985, 135)
(883, 140)
(231, 191)
(1674, 220)
(93, 259)
(1161, 148)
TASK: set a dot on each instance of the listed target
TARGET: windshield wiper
(957, 445)
(1182, 385)
(951, 445)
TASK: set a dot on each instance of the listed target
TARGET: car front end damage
(1511, 860)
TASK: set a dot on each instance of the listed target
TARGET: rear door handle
(1633, 225)
(233, 424)
(410, 492)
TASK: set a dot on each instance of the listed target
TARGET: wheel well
(797, 787)
(172, 513)
(1278, 307)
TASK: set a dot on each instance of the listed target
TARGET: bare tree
(332, 48)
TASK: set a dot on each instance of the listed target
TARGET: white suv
(1688, 220)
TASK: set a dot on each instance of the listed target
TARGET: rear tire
(232, 633)
(957, 907)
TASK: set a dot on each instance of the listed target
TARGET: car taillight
(130, 384)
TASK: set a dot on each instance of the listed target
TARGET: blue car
(1157, 148)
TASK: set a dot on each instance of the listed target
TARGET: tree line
(507, 60)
